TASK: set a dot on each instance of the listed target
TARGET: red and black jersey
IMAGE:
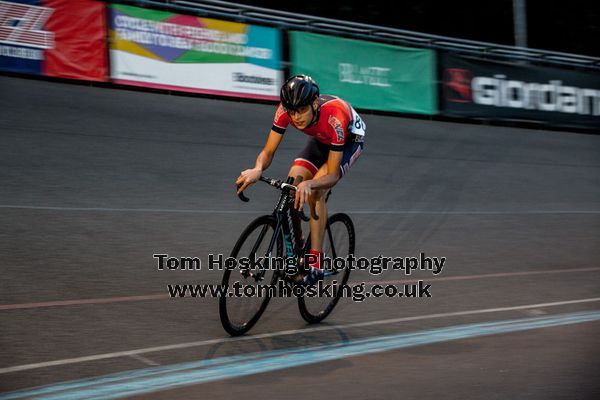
(331, 127)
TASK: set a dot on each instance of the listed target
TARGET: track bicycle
(276, 236)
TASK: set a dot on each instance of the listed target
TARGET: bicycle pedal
(257, 276)
(245, 274)
(313, 276)
(296, 279)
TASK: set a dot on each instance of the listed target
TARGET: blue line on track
(151, 380)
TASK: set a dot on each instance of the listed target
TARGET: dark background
(568, 26)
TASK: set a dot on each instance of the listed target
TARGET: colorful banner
(181, 52)
(61, 38)
(494, 90)
(369, 75)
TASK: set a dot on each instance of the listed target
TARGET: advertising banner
(61, 38)
(188, 53)
(496, 90)
(369, 75)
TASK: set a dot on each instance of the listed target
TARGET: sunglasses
(300, 110)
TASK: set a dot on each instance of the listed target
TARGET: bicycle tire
(340, 231)
(227, 304)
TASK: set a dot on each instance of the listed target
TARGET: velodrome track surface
(93, 181)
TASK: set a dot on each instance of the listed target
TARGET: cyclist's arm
(328, 180)
(263, 161)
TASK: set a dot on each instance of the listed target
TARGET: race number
(357, 125)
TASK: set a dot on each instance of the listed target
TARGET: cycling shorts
(315, 154)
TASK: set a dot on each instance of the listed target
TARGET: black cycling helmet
(298, 91)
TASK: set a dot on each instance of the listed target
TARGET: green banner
(369, 75)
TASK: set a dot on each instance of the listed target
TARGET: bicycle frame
(285, 224)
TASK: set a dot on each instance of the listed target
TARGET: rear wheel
(339, 242)
(239, 314)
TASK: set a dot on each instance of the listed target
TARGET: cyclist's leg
(318, 202)
(317, 227)
(299, 173)
(319, 205)
(306, 164)
(309, 159)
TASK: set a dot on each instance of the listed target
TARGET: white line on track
(201, 211)
(144, 360)
(475, 212)
(136, 210)
(178, 346)
(482, 276)
(164, 296)
(76, 302)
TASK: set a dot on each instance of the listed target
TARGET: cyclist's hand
(247, 178)
(302, 194)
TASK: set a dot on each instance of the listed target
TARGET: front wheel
(338, 243)
(239, 314)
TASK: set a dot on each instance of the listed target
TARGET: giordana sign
(492, 89)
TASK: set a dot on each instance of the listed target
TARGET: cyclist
(336, 141)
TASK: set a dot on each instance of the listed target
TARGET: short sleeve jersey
(331, 127)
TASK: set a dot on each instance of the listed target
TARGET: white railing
(289, 20)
